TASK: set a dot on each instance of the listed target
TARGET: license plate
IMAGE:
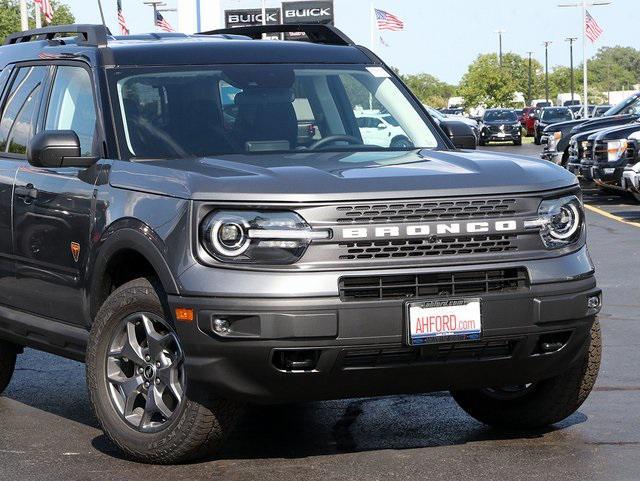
(501, 135)
(443, 320)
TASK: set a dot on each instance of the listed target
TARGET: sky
(440, 37)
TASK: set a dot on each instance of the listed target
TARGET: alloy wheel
(145, 372)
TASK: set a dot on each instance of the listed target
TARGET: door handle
(27, 192)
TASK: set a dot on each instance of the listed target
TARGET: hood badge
(75, 251)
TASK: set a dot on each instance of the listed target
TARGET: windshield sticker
(378, 72)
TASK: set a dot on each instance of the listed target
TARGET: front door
(53, 207)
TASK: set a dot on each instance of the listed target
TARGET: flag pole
(101, 13)
(585, 100)
(372, 23)
(24, 17)
(38, 15)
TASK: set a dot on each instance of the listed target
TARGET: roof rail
(88, 35)
(316, 32)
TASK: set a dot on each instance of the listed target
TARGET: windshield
(556, 115)
(630, 105)
(247, 109)
(500, 116)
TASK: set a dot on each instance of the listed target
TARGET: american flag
(162, 23)
(124, 29)
(46, 9)
(387, 21)
(592, 28)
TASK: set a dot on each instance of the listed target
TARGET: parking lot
(47, 430)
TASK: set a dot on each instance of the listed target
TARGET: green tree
(485, 83)
(10, 16)
(429, 89)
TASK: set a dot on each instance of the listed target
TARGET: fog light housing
(221, 326)
(594, 302)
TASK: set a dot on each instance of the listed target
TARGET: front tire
(137, 385)
(8, 354)
(540, 404)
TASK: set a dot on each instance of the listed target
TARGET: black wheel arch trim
(129, 234)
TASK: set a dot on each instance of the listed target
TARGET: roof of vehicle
(216, 47)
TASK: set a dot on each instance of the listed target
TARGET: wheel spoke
(131, 348)
(157, 343)
(130, 388)
(155, 404)
(169, 377)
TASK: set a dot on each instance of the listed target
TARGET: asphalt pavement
(47, 430)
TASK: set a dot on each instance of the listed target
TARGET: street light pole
(571, 40)
(546, 68)
(529, 99)
(500, 32)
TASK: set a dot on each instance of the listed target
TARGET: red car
(527, 119)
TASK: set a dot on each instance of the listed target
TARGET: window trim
(100, 136)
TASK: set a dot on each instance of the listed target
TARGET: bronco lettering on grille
(427, 230)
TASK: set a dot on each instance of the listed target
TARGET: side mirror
(460, 134)
(382, 126)
(57, 148)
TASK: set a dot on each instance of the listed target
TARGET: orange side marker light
(183, 314)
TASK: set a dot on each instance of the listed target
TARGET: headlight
(616, 149)
(252, 237)
(560, 221)
(517, 127)
(557, 136)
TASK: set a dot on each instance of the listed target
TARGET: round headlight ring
(569, 215)
(235, 248)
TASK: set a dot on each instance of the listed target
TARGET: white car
(382, 130)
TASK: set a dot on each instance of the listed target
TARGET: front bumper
(358, 348)
(631, 180)
(506, 136)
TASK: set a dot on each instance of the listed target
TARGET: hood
(325, 176)
(616, 133)
(603, 122)
(587, 135)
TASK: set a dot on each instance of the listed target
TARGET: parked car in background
(382, 130)
(558, 135)
(450, 120)
(574, 110)
(453, 111)
(528, 120)
(549, 116)
(600, 110)
(606, 154)
(542, 103)
(631, 177)
(500, 125)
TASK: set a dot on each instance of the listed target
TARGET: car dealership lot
(47, 430)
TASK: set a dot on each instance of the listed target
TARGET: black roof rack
(88, 35)
(317, 33)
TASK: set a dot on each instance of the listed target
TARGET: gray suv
(201, 219)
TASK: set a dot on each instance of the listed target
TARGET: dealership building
(202, 15)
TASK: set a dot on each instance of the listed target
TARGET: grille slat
(425, 248)
(461, 351)
(414, 211)
(434, 284)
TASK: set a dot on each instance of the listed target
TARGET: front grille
(446, 246)
(495, 129)
(600, 153)
(435, 284)
(428, 210)
(477, 350)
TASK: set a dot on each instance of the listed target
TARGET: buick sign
(308, 12)
(250, 17)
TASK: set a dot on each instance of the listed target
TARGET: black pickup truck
(556, 137)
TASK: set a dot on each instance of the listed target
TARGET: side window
(21, 107)
(71, 106)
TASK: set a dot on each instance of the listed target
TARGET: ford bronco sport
(169, 217)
